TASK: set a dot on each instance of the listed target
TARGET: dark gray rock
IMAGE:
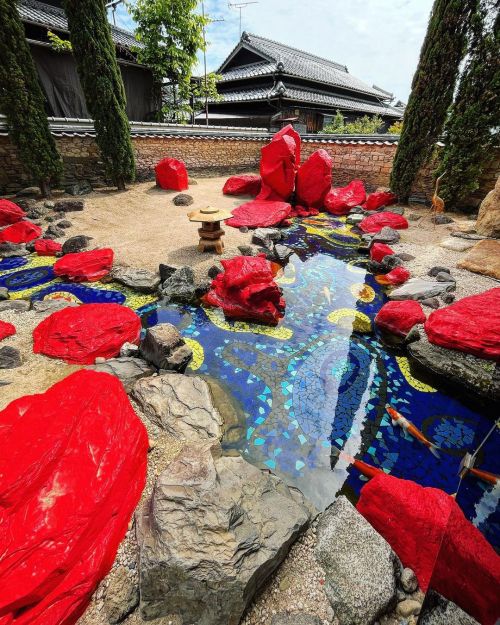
(127, 370)
(141, 280)
(13, 249)
(76, 244)
(69, 206)
(214, 530)
(36, 211)
(357, 210)
(183, 199)
(447, 298)
(165, 348)
(387, 264)
(50, 218)
(442, 276)
(26, 203)
(202, 288)
(421, 288)
(50, 236)
(404, 256)
(49, 204)
(19, 305)
(122, 595)
(4, 293)
(181, 405)
(468, 236)
(64, 224)
(439, 611)
(414, 217)
(433, 271)
(295, 619)
(79, 188)
(441, 220)
(129, 350)
(387, 235)
(166, 271)
(360, 567)
(10, 357)
(462, 370)
(430, 302)
(55, 231)
(179, 287)
(266, 236)
(214, 271)
(397, 210)
(246, 250)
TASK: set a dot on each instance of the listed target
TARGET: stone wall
(204, 156)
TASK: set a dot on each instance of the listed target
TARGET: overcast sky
(378, 40)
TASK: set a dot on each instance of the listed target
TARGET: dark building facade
(58, 73)
(268, 84)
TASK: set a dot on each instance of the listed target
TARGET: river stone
(439, 611)
(165, 348)
(409, 580)
(180, 404)
(483, 258)
(13, 249)
(122, 595)
(69, 206)
(421, 289)
(127, 370)
(295, 619)
(183, 199)
(408, 607)
(10, 357)
(360, 567)
(463, 370)
(213, 531)
(18, 305)
(433, 271)
(488, 220)
(140, 280)
(51, 305)
(456, 245)
(179, 287)
(64, 224)
(76, 244)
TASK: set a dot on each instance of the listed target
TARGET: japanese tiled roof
(294, 62)
(41, 14)
(312, 97)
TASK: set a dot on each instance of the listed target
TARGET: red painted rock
(430, 534)
(244, 184)
(378, 199)
(85, 266)
(314, 180)
(259, 214)
(277, 169)
(6, 329)
(10, 213)
(470, 325)
(73, 465)
(379, 251)
(374, 223)
(289, 131)
(20, 232)
(340, 200)
(246, 290)
(171, 174)
(303, 211)
(398, 275)
(82, 333)
(399, 317)
(47, 247)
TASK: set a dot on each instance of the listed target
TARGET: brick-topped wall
(206, 156)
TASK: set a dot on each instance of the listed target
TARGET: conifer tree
(432, 90)
(23, 103)
(102, 84)
(472, 129)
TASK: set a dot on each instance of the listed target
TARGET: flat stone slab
(483, 258)
(141, 280)
(127, 370)
(421, 289)
(457, 244)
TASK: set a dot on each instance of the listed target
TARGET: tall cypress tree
(102, 85)
(22, 102)
(432, 90)
(472, 127)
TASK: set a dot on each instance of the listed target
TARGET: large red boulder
(314, 180)
(171, 174)
(10, 213)
(340, 200)
(73, 465)
(47, 247)
(6, 329)
(246, 290)
(277, 169)
(259, 214)
(374, 223)
(378, 199)
(399, 317)
(470, 325)
(20, 232)
(378, 251)
(289, 131)
(430, 534)
(243, 184)
(85, 266)
(80, 334)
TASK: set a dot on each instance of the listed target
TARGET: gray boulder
(141, 280)
(165, 348)
(64, 223)
(122, 595)
(360, 567)
(180, 404)
(387, 235)
(282, 252)
(79, 188)
(129, 350)
(55, 231)
(213, 531)
(441, 219)
(166, 271)
(69, 206)
(127, 370)
(179, 287)
(247, 250)
(439, 611)
(422, 288)
(266, 236)
(433, 271)
(13, 249)
(76, 244)
(19, 305)
(10, 357)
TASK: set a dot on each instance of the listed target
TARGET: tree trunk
(120, 184)
(45, 189)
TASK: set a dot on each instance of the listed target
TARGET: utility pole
(113, 5)
(239, 6)
(205, 57)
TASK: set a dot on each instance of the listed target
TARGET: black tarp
(61, 85)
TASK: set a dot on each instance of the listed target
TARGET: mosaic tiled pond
(320, 378)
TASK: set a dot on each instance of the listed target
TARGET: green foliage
(201, 91)
(171, 34)
(102, 85)
(23, 103)
(366, 125)
(472, 129)
(395, 128)
(57, 44)
(432, 90)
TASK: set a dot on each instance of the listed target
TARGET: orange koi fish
(365, 469)
(467, 466)
(398, 419)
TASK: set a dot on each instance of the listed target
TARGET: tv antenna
(113, 5)
(211, 20)
(239, 6)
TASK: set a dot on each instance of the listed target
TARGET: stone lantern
(210, 232)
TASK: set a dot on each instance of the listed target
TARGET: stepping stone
(421, 289)
(456, 244)
(483, 258)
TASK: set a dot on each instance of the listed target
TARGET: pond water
(320, 378)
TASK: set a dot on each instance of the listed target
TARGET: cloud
(378, 40)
